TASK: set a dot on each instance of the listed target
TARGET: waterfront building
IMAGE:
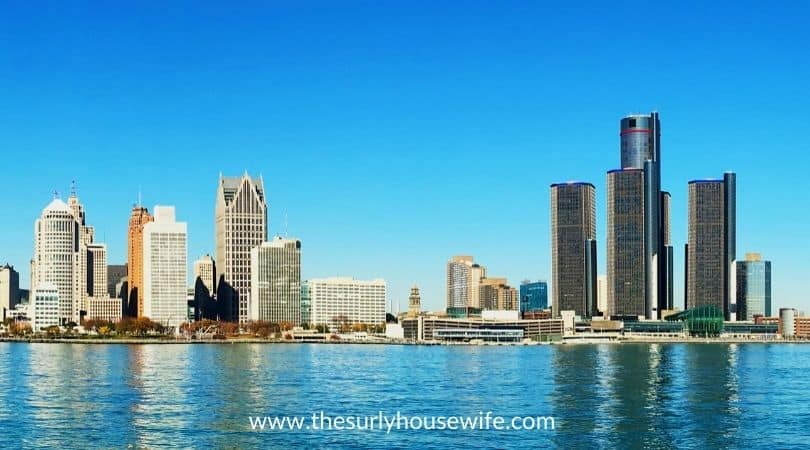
(306, 305)
(639, 249)
(47, 309)
(240, 225)
(430, 328)
(204, 269)
(138, 218)
(9, 290)
(341, 301)
(573, 248)
(601, 294)
(276, 281)
(496, 294)
(56, 256)
(115, 273)
(104, 308)
(753, 287)
(711, 246)
(533, 296)
(165, 268)
(97, 270)
(414, 302)
(463, 279)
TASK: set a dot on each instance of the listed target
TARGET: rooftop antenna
(72, 188)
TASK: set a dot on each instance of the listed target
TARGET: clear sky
(397, 134)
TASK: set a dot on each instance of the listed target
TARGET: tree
(52, 331)
(286, 325)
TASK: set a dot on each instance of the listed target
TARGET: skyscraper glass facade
(533, 296)
(753, 289)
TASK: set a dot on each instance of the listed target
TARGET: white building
(240, 225)
(165, 268)
(46, 307)
(339, 300)
(601, 294)
(9, 290)
(104, 308)
(275, 288)
(56, 257)
(204, 270)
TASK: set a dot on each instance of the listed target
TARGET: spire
(73, 188)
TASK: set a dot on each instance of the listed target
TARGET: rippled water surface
(602, 396)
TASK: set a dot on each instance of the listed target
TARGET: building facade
(753, 287)
(205, 270)
(240, 225)
(463, 280)
(9, 290)
(97, 285)
(626, 256)
(414, 302)
(104, 308)
(165, 268)
(711, 246)
(47, 309)
(533, 296)
(337, 301)
(276, 281)
(138, 218)
(573, 248)
(115, 273)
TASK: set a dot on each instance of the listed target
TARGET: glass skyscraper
(753, 287)
(533, 296)
(573, 248)
(711, 246)
(639, 251)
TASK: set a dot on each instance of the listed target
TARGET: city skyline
(379, 158)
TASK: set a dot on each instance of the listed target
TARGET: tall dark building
(573, 248)
(753, 287)
(638, 221)
(711, 248)
(115, 273)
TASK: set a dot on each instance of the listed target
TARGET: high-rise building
(639, 250)
(47, 308)
(9, 290)
(463, 280)
(82, 288)
(573, 248)
(241, 225)
(601, 294)
(414, 302)
(276, 281)
(496, 294)
(533, 296)
(204, 269)
(753, 287)
(137, 219)
(56, 256)
(97, 270)
(306, 305)
(712, 244)
(115, 273)
(165, 268)
(340, 301)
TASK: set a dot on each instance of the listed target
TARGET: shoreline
(159, 341)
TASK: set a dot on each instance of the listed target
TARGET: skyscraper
(276, 281)
(9, 290)
(204, 269)
(165, 268)
(573, 248)
(639, 251)
(711, 248)
(463, 280)
(56, 256)
(241, 225)
(137, 219)
(753, 287)
(115, 273)
(97, 270)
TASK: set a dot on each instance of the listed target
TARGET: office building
(306, 305)
(56, 255)
(753, 287)
(275, 270)
(341, 301)
(496, 294)
(104, 308)
(138, 218)
(97, 285)
(463, 279)
(573, 248)
(533, 296)
(639, 249)
(204, 269)
(601, 294)
(414, 302)
(711, 245)
(115, 273)
(240, 226)
(9, 290)
(47, 309)
(165, 268)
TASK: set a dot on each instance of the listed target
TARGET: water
(602, 396)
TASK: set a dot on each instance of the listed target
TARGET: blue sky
(396, 134)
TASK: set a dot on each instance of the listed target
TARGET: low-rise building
(45, 307)
(104, 308)
(438, 328)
